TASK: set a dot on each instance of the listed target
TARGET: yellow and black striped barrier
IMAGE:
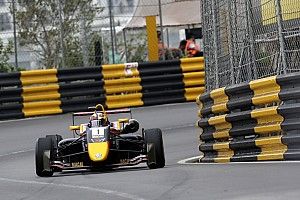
(55, 91)
(253, 121)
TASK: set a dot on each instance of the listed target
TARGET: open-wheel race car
(100, 144)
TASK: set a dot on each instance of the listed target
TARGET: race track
(183, 182)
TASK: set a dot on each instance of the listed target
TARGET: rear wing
(119, 111)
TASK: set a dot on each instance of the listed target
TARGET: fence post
(84, 41)
(111, 31)
(280, 34)
(125, 44)
(61, 35)
(251, 41)
(161, 28)
(15, 34)
(232, 79)
(213, 2)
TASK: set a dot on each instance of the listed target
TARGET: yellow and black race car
(100, 144)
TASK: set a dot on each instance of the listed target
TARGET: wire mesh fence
(84, 33)
(243, 39)
(249, 39)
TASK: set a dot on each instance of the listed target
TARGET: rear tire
(156, 156)
(42, 145)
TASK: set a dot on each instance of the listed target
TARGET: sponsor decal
(77, 164)
(97, 133)
(129, 67)
(98, 155)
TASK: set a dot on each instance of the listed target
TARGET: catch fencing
(246, 40)
(52, 91)
(89, 33)
(253, 121)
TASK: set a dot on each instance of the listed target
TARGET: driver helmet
(97, 120)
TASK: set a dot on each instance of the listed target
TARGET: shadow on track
(99, 171)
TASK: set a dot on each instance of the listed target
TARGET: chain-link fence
(82, 33)
(250, 39)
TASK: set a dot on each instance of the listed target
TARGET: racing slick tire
(55, 139)
(155, 148)
(42, 162)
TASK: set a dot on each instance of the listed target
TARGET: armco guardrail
(254, 121)
(55, 91)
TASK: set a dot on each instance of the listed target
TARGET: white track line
(165, 105)
(178, 126)
(193, 161)
(24, 119)
(133, 109)
(104, 191)
(189, 161)
(115, 193)
(17, 152)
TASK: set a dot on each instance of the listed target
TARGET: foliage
(5, 50)
(137, 47)
(41, 23)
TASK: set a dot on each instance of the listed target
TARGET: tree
(53, 29)
(137, 47)
(4, 57)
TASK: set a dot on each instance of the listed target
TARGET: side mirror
(123, 120)
(132, 127)
(74, 128)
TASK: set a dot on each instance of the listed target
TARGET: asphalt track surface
(232, 181)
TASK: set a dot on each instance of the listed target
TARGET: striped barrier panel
(55, 91)
(253, 121)
(44, 92)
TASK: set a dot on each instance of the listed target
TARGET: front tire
(155, 148)
(55, 139)
(42, 160)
